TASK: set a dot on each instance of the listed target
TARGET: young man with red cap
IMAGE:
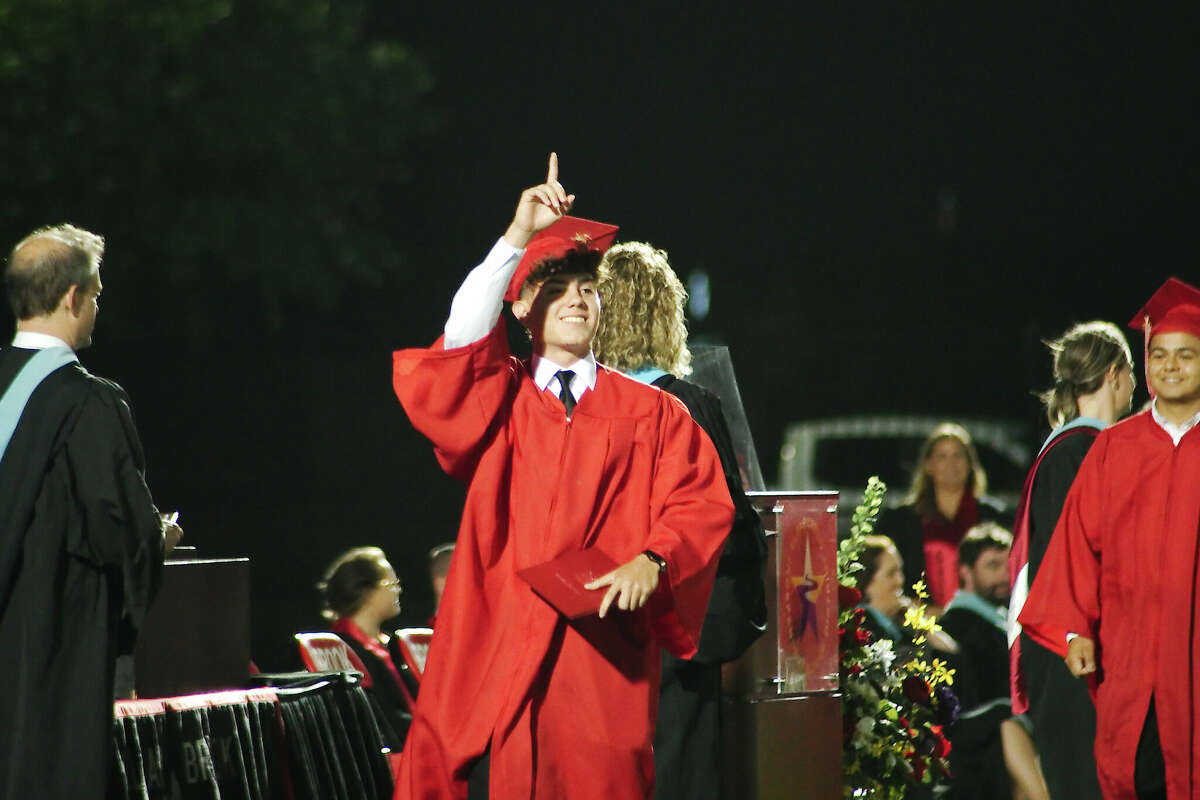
(1121, 575)
(560, 455)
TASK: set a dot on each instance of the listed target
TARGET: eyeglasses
(389, 584)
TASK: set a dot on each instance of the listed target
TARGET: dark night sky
(804, 157)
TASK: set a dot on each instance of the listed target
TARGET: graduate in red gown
(560, 454)
(1121, 576)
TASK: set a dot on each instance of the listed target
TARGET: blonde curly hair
(642, 324)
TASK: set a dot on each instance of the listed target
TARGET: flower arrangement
(896, 702)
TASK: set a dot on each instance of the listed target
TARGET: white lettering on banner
(197, 762)
(191, 771)
(330, 660)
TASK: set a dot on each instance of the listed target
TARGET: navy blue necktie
(564, 392)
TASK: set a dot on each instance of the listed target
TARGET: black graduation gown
(686, 739)
(981, 684)
(80, 558)
(1062, 713)
(391, 711)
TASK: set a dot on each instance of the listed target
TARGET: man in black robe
(81, 541)
(976, 618)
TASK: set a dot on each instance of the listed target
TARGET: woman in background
(359, 593)
(947, 499)
(1093, 388)
(882, 582)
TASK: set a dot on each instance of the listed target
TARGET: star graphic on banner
(807, 589)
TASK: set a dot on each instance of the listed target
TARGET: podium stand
(196, 636)
(782, 721)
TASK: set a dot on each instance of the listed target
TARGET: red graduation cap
(1174, 308)
(556, 241)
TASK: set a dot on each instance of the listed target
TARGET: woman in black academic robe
(360, 593)
(1093, 388)
(642, 333)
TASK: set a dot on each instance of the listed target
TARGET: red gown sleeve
(691, 512)
(1065, 595)
(458, 397)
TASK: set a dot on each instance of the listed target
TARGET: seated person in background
(882, 583)
(642, 333)
(945, 501)
(360, 592)
(439, 567)
(989, 745)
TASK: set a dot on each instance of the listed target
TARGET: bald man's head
(47, 263)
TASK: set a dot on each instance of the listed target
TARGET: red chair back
(414, 647)
(326, 652)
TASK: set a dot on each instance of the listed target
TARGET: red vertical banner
(807, 594)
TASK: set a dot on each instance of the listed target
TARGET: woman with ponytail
(1093, 388)
(359, 593)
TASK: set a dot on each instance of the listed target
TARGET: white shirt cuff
(479, 301)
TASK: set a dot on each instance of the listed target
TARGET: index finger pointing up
(552, 172)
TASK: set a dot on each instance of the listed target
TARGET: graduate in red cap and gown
(1116, 593)
(560, 454)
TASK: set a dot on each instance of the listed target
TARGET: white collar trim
(1175, 430)
(584, 368)
(32, 340)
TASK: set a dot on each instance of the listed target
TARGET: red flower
(852, 637)
(855, 669)
(916, 689)
(918, 767)
(941, 743)
(848, 596)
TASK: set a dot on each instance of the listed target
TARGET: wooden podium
(781, 719)
(196, 637)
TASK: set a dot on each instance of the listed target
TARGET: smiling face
(887, 584)
(562, 315)
(1173, 364)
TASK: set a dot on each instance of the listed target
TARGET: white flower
(881, 653)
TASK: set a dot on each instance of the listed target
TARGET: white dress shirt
(479, 301)
(544, 371)
(32, 340)
(1175, 431)
(476, 309)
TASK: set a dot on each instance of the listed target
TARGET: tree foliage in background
(243, 156)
